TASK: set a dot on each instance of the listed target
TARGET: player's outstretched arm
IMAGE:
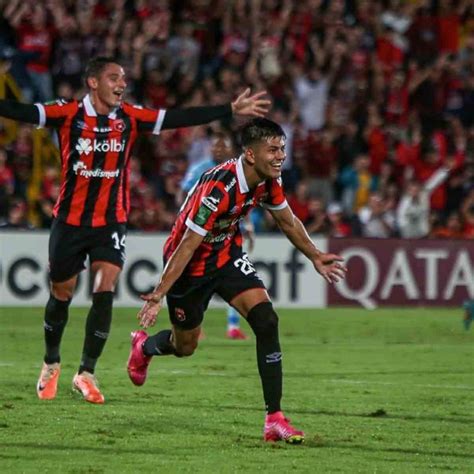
(14, 110)
(327, 264)
(245, 104)
(172, 271)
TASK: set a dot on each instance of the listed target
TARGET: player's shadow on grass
(374, 449)
(377, 414)
(407, 417)
(150, 399)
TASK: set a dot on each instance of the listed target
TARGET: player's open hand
(330, 267)
(147, 315)
(253, 105)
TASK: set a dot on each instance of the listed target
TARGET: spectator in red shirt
(389, 52)
(17, 217)
(423, 35)
(46, 204)
(317, 219)
(397, 103)
(298, 201)
(453, 229)
(337, 226)
(322, 164)
(376, 139)
(449, 26)
(299, 30)
(35, 34)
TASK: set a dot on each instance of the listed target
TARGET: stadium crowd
(376, 99)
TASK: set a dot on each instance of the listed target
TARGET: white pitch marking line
(365, 382)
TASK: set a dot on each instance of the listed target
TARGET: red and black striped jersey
(213, 208)
(95, 151)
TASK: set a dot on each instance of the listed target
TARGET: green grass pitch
(389, 390)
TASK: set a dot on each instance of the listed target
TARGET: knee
(186, 349)
(62, 292)
(263, 319)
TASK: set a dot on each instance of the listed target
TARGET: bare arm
(295, 231)
(172, 271)
(327, 264)
(437, 178)
(14, 12)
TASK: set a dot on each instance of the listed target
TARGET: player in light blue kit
(468, 313)
(221, 150)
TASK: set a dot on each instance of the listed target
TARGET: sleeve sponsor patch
(202, 215)
(210, 202)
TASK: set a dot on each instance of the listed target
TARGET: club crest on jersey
(119, 125)
(210, 202)
(180, 314)
(82, 125)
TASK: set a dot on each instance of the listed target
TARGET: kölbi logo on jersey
(86, 146)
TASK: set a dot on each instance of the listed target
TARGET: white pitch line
(366, 382)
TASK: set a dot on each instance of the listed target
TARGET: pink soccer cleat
(138, 362)
(237, 334)
(278, 428)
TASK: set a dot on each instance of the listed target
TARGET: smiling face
(267, 157)
(107, 87)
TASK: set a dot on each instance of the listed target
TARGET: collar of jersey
(90, 111)
(243, 186)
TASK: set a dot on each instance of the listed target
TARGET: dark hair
(259, 129)
(96, 65)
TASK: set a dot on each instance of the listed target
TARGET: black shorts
(69, 246)
(189, 297)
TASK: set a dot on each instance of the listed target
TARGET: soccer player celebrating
(203, 256)
(96, 135)
(221, 150)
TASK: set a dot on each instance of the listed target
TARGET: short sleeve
(275, 199)
(53, 114)
(209, 204)
(148, 120)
